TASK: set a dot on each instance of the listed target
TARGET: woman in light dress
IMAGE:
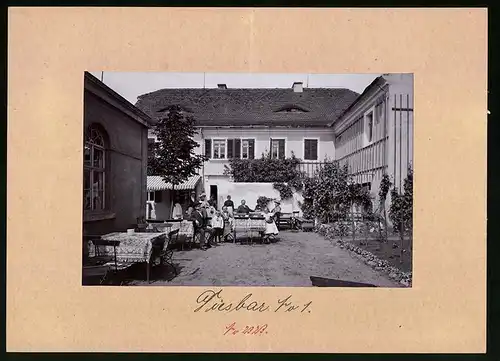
(271, 230)
(177, 210)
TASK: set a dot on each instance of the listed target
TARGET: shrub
(401, 209)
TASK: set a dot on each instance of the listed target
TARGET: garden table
(185, 227)
(133, 248)
(249, 225)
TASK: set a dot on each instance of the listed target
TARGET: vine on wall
(283, 173)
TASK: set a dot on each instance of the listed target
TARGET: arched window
(94, 169)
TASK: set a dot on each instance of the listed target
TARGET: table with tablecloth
(133, 248)
(251, 226)
(185, 227)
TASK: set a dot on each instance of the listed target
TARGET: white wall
(294, 142)
(250, 192)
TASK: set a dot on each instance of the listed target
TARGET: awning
(156, 183)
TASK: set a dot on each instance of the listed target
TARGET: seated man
(200, 226)
(243, 208)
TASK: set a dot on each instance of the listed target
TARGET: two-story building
(374, 135)
(114, 159)
(246, 123)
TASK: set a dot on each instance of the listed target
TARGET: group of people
(214, 226)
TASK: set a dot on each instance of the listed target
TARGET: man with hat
(199, 225)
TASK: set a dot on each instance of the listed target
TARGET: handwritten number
(306, 305)
(249, 330)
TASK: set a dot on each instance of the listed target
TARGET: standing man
(192, 199)
(199, 225)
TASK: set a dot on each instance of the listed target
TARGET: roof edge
(375, 82)
(124, 102)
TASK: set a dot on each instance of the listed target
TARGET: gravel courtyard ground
(288, 262)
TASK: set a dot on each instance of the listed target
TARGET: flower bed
(331, 232)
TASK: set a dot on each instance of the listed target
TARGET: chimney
(222, 86)
(297, 87)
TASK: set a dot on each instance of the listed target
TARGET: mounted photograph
(247, 179)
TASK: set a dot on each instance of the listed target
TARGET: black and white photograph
(247, 179)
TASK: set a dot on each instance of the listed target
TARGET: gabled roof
(377, 82)
(97, 87)
(249, 107)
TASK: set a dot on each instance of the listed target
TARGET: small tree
(173, 157)
(401, 210)
(325, 194)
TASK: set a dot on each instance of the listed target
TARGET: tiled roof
(156, 183)
(232, 107)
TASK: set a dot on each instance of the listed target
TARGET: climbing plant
(326, 193)
(263, 201)
(283, 173)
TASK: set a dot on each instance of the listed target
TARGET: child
(218, 226)
(228, 223)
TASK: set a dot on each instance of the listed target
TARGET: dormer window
(181, 109)
(292, 109)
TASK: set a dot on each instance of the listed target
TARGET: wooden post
(401, 237)
(353, 225)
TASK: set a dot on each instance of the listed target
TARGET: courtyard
(289, 262)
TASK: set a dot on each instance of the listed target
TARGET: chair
(166, 253)
(101, 258)
(98, 273)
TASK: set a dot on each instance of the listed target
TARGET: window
(369, 124)
(244, 148)
(230, 148)
(94, 170)
(151, 196)
(219, 149)
(277, 148)
(310, 149)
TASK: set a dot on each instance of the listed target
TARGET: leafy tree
(173, 157)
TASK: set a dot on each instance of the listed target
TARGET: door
(214, 194)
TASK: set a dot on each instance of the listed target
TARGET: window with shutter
(310, 149)
(219, 148)
(208, 148)
(278, 148)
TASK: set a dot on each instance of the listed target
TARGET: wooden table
(133, 248)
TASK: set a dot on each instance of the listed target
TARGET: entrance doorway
(214, 194)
